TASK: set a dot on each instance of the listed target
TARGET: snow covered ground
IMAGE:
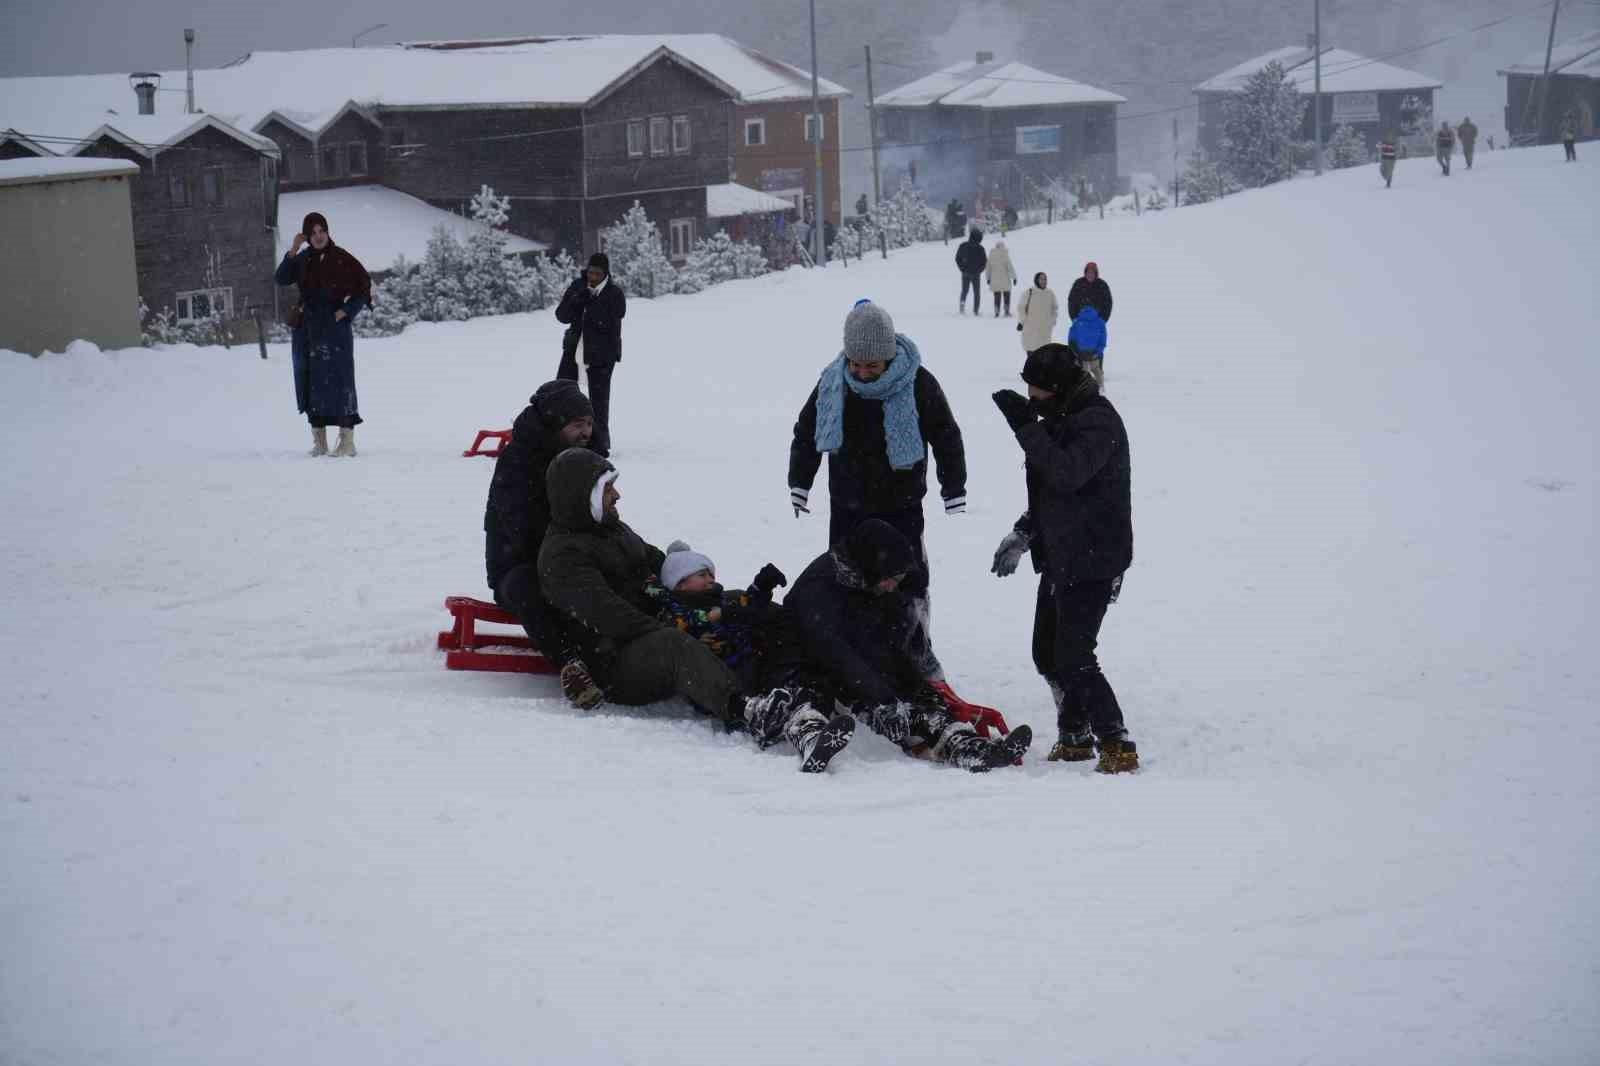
(248, 817)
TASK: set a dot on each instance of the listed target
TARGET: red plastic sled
(497, 438)
(463, 644)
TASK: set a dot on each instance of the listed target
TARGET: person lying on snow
(850, 613)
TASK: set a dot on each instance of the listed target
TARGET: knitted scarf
(896, 388)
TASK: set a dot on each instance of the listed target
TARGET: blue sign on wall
(1038, 140)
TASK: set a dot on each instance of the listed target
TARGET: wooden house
(1574, 89)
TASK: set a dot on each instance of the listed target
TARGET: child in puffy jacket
(1087, 339)
(726, 622)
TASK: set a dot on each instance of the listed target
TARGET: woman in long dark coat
(334, 288)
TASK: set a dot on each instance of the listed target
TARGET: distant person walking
(1386, 154)
(1569, 136)
(1036, 314)
(1002, 276)
(1090, 290)
(971, 260)
(334, 288)
(1469, 139)
(1444, 146)
(593, 308)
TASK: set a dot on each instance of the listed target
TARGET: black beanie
(560, 402)
(1055, 367)
(601, 261)
(879, 550)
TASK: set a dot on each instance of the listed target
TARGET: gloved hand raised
(1014, 406)
(1009, 553)
(768, 578)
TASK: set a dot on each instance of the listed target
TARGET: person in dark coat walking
(850, 607)
(1386, 154)
(1469, 139)
(1569, 136)
(1444, 146)
(594, 570)
(592, 308)
(1079, 529)
(874, 413)
(558, 417)
(334, 288)
(971, 260)
(1090, 290)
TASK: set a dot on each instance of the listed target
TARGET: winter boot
(980, 755)
(1118, 755)
(346, 448)
(1074, 747)
(579, 686)
(319, 440)
(819, 744)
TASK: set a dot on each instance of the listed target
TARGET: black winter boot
(818, 745)
(980, 755)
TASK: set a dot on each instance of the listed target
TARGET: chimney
(145, 83)
(985, 57)
(188, 66)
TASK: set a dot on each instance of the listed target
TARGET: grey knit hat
(868, 334)
(681, 561)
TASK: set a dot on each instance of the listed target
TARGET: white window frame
(636, 141)
(681, 122)
(663, 144)
(681, 236)
(350, 150)
(760, 126)
(220, 297)
(822, 122)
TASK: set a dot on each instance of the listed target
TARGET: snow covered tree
(904, 218)
(1347, 148)
(1259, 126)
(554, 274)
(1156, 199)
(1205, 180)
(494, 283)
(394, 302)
(638, 260)
(719, 258)
(1416, 118)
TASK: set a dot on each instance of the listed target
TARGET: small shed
(69, 268)
(1574, 90)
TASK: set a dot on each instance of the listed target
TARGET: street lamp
(369, 29)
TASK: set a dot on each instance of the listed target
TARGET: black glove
(1019, 327)
(1014, 406)
(768, 578)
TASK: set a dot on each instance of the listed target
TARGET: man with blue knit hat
(875, 412)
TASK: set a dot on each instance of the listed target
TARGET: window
(356, 153)
(680, 134)
(330, 162)
(682, 231)
(755, 131)
(395, 136)
(658, 136)
(636, 137)
(895, 126)
(198, 304)
(178, 189)
(812, 122)
(211, 186)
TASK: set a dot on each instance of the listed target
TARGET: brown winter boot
(319, 440)
(1118, 756)
(1072, 748)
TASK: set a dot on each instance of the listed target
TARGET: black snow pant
(1003, 294)
(1467, 148)
(1572, 150)
(519, 593)
(925, 722)
(910, 523)
(669, 662)
(787, 706)
(975, 283)
(1066, 630)
(599, 397)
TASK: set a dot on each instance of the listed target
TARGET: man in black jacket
(1079, 528)
(851, 612)
(557, 417)
(970, 260)
(592, 308)
(1090, 290)
(875, 413)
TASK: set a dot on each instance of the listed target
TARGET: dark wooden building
(1573, 90)
(988, 132)
(344, 147)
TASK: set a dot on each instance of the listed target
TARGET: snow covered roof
(53, 168)
(731, 199)
(1577, 57)
(994, 86)
(150, 134)
(378, 223)
(1342, 72)
(311, 124)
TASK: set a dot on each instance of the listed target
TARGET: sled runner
(463, 644)
(497, 440)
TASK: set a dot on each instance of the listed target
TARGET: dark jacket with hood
(518, 511)
(594, 572)
(1086, 293)
(1080, 513)
(854, 635)
(596, 317)
(970, 257)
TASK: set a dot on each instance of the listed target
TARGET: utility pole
(188, 65)
(1544, 81)
(1174, 161)
(872, 117)
(1316, 92)
(817, 215)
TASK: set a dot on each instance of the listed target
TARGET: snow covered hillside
(248, 816)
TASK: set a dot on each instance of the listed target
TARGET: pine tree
(1205, 180)
(1347, 148)
(553, 274)
(1259, 126)
(494, 282)
(638, 262)
(904, 219)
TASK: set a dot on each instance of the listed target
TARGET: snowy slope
(248, 817)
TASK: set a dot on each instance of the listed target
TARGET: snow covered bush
(1156, 199)
(1259, 127)
(1347, 148)
(553, 273)
(1205, 180)
(904, 218)
(719, 258)
(638, 260)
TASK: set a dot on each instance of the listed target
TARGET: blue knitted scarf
(896, 388)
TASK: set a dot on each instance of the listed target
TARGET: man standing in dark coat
(1090, 290)
(971, 260)
(1079, 528)
(592, 308)
(558, 417)
(851, 612)
(875, 412)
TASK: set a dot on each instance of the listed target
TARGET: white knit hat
(681, 562)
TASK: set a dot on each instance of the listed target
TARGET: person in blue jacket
(1087, 339)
